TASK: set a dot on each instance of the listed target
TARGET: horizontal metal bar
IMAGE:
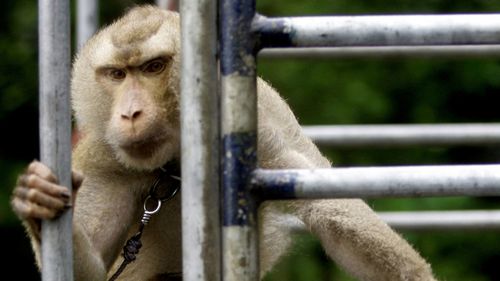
(394, 30)
(457, 51)
(378, 182)
(404, 135)
(424, 220)
(443, 220)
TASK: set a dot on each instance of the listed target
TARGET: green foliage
(18, 87)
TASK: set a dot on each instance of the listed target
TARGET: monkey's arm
(104, 212)
(351, 233)
(38, 196)
(356, 238)
(102, 215)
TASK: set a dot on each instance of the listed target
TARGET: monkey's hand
(38, 196)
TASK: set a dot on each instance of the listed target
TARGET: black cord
(134, 244)
(130, 251)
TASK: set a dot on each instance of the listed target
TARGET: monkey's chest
(159, 258)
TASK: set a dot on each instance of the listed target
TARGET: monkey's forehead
(133, 54)
(142, 34)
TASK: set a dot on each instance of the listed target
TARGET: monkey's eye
(116, 74)
(155, 66)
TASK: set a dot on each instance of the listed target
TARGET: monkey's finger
(32, 211)
(42, 171)
(77, 179)
(36, 182)
(35, 196)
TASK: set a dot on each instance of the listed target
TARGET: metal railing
(404, 135)
(477, 220)
(455, 52)
(358, 31)
(378, 182)
(242, 32)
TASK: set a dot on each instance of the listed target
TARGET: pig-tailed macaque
(125, 95)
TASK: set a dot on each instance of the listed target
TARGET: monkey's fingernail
(65, 195)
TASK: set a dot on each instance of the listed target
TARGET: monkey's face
(133, 104)
(144, 118)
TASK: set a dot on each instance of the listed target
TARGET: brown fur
(119, 159)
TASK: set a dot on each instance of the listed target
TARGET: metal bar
(239, 138)
(457, 51)
(87, 20)
(443, 220)
(424, 221)
(201, 224)
(163, 3)
(404, 135)
(378, 182)
(55, 130)
(396, 30)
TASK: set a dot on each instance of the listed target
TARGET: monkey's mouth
(143, 147)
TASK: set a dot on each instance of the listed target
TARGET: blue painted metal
(238, 162)
(272, 32)
(236, 41)
(239, 148)
(239, 140)
(279, 185)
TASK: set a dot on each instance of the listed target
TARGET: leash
(169, 177)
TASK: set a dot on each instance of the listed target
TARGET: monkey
(125, 96)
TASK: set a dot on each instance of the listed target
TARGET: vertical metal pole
(200, 142)
(87, 20)
(239, 134)
(162, 3)
(55, 130)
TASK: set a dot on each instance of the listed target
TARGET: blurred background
(326, 91)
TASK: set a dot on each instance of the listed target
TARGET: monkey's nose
(131, 115)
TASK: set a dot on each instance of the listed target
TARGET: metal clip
(147, 213)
